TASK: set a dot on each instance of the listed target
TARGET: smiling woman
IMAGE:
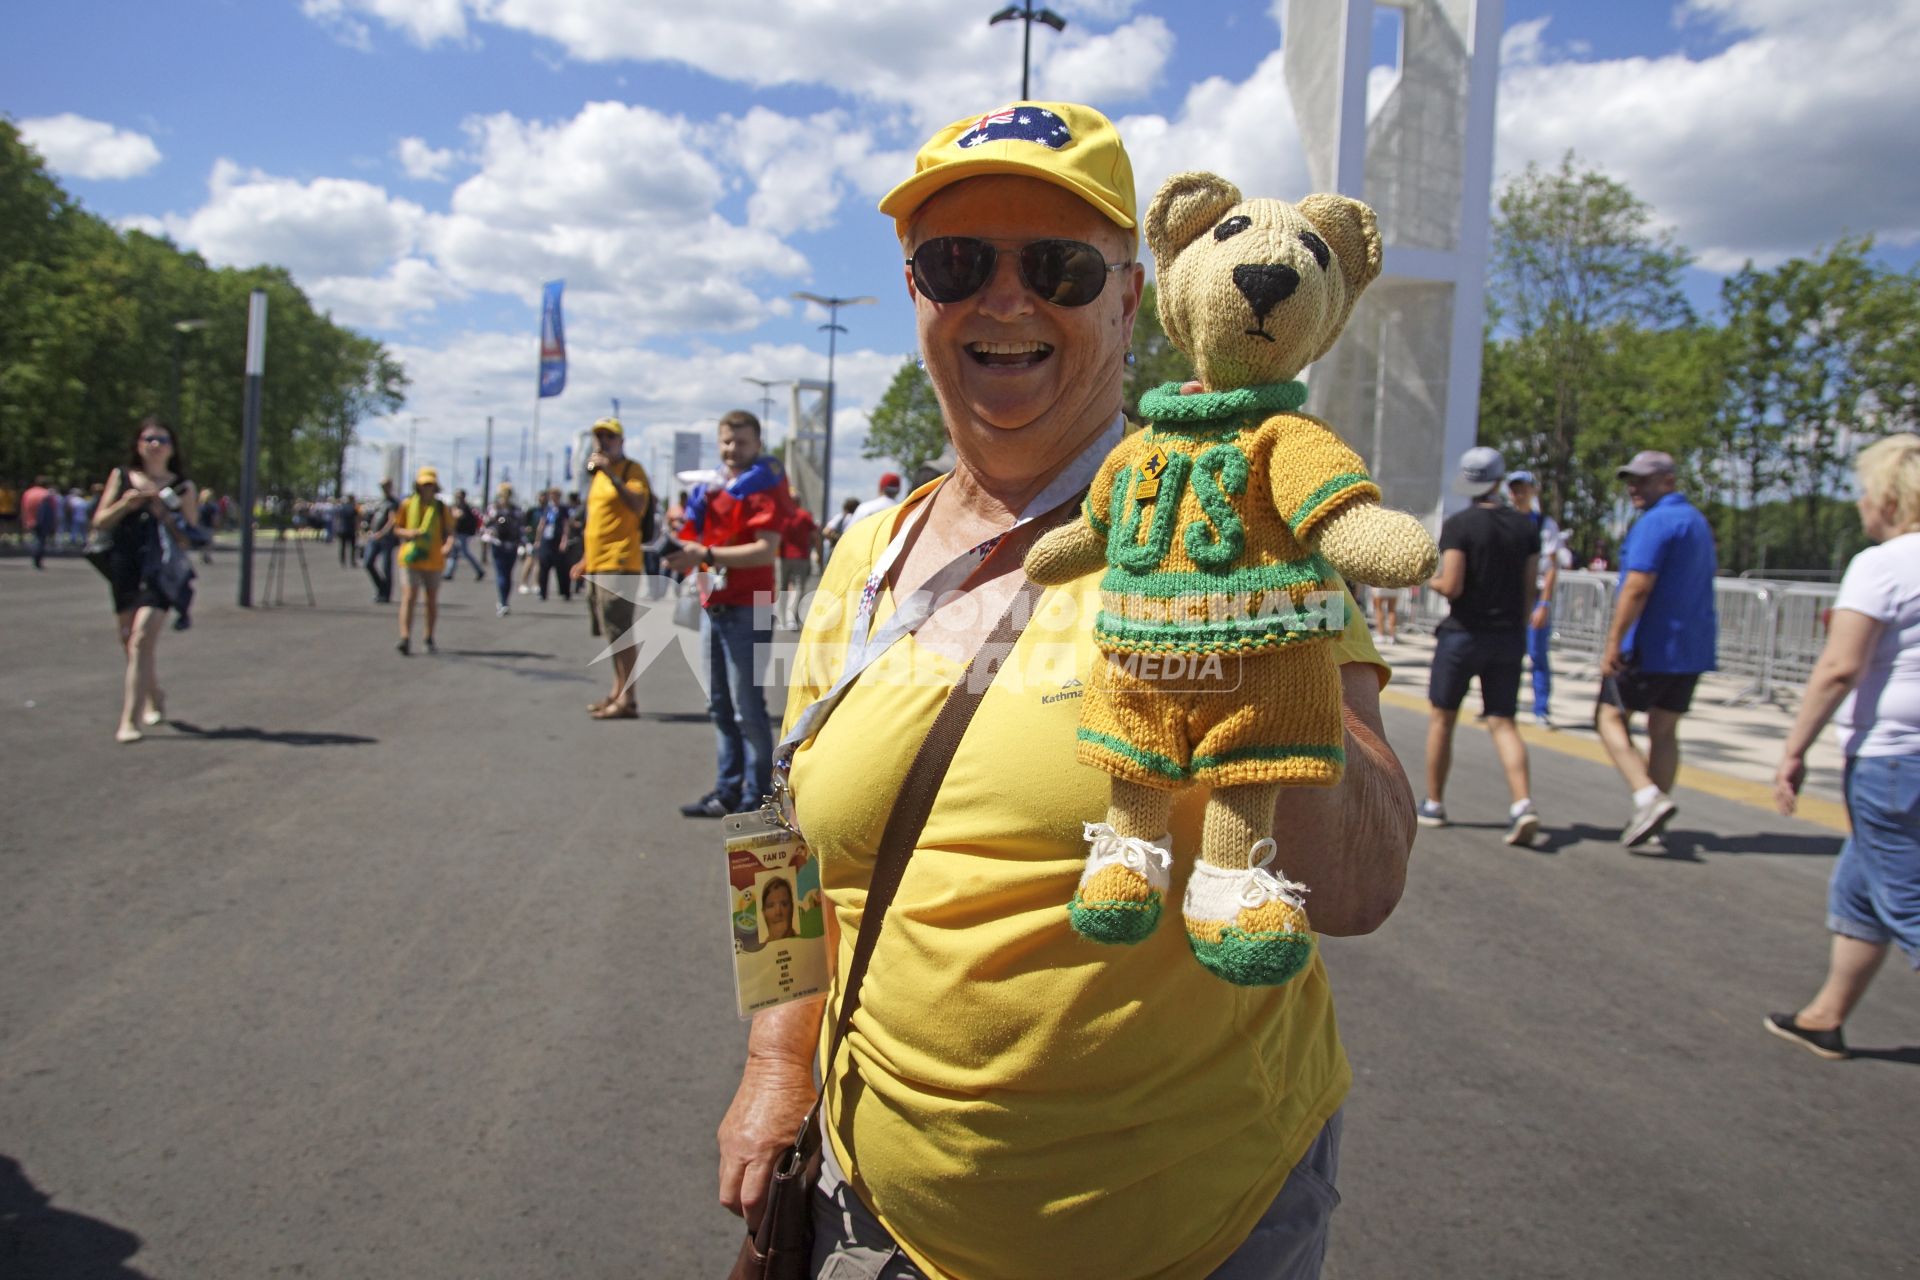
(958, 1095)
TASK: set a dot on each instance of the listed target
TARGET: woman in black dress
(138, 507)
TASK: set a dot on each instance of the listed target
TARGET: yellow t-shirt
(426, 553)
(1024, 1102)
(612, 541)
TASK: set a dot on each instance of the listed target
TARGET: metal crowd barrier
(1770, 632)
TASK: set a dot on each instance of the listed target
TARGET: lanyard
(866, 646)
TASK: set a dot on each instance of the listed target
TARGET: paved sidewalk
(1728, 746)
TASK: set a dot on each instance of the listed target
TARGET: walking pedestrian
(555, 531)
(835, 528)
(733, 531)
(346, 530)
(40, 513)
(382, 517)
(1489, 559)
(888, 496)
(1386, 614)
(138, 507)
(426, 528)
(992, 1112)
(466, 523)
(797, 542)
(1867, 681)
(619, 507)
(79, 514)
(503, 533)
(1526, 500)
(1663, 636)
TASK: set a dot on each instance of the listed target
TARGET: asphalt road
(384, 967)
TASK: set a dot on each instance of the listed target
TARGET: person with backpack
(425, 531)
(380, 542)
(618, 523)
(466, 523)
(503, 530)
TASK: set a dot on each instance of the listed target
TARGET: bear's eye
(1321, 253)
(1232, 227)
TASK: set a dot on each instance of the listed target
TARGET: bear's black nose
(1265, 286)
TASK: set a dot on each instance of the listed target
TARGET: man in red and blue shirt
(732, 531)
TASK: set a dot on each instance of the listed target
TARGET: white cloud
(458, 382)
(799, 167)
(1795, 133)
(428, 164)
(328, 227)
(410, 287)
(81, 148)
(923, 54)
(424, 21)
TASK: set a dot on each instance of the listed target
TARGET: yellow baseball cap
(1064, 143)
(426, 475)
(611, 425)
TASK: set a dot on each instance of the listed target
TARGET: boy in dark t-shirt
(1489, 555)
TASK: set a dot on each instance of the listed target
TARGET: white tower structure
(1403, 383)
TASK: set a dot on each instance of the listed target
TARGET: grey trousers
(1288, 1243)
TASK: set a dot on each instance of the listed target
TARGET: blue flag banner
(553, 342)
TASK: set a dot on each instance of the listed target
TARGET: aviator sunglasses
(1066, 273)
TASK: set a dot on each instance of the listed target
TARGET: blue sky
(422, 164)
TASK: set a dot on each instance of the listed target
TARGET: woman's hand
(1787, 781)
(772, 1100)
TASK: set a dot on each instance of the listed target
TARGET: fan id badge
(778, 914)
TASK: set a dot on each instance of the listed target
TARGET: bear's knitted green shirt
(1206, 514)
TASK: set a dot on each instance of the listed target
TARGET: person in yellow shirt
(425, 534)
(1011, 1100)
(619, 507)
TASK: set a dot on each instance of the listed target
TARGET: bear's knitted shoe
(1122, 887)
(1248, 926)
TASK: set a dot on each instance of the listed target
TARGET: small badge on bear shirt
(1151, 470)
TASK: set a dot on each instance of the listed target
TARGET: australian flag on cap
(1024, 123)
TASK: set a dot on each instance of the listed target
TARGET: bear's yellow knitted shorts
(1163, 720)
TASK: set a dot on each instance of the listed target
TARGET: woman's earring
(1130, 361)
(921, 361)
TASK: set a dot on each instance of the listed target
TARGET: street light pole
(1028, 15)
(181, 328)
(412, 466)
(766, 386)
(833, 330)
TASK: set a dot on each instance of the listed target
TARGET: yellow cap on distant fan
(610, 425)
(426, 475)
(1064, 143)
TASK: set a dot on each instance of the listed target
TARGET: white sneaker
(1648, 819)
(1526, 825)
(526, 591)
(500, 611)
(1543, 722)
(1122, 886)
(1431, 813)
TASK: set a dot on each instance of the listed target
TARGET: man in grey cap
(1664, 634)
(1489, 558)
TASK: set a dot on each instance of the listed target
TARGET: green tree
(90, 348)
(1576, 272)
(1155, 359)
(907, 424)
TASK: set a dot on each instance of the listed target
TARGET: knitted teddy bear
(1225, 528)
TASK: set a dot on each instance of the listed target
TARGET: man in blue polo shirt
(1663, 636)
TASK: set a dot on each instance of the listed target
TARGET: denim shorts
(1875, 892)
(1288, 1243)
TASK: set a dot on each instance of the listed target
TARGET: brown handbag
(782, 1247)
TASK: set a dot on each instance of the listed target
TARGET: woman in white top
(1869, 672)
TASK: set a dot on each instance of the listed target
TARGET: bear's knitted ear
(1186, 205)
(1353, 232)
